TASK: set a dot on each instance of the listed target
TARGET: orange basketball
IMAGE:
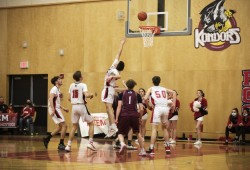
(142, 16)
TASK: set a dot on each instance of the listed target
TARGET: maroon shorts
(127, 122)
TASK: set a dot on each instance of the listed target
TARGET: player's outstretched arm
(118, 55)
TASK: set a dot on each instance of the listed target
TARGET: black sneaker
(61, 147)
(226, 143)
(150, 151)
(46, 142)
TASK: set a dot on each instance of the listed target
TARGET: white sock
(122, 144)
(90, 140)
(69, 142)
(151, 146)
(113, 125)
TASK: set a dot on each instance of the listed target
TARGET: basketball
(142, 16)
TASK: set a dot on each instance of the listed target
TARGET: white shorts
(175, 117)
(108, 94)
(160, 114)
(200, 118)
(78, 111)
(145, 117)
(58, 116)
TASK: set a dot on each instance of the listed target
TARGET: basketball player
(129, 118)
(55, 113)
(109, 88)
(159, 99)
(77, 93)
(173, 118)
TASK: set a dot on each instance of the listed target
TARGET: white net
(147, 36)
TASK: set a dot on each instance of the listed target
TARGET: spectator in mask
(233, 123)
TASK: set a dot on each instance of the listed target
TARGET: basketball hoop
(147, 33)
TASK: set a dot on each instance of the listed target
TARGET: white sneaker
(91, 146)
(198, 142)
(142, 153)
(172, 142)
(68, 148)
(131, 147)
(111, 132)
(170, 139)
(198, 146)
(123, 149)
(136, 141)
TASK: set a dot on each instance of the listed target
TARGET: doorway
(35, 88)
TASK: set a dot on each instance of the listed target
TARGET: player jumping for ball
(109, 89)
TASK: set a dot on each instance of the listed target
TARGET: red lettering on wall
(245, 96)
(246, 78)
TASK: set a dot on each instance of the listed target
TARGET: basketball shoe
(198, 142)
(91, 146)
(112, 131)
(123, 149)
(131, 147)
(150, 151)
(167, 149)
(46, 142)
(142, 153)
(61, 147)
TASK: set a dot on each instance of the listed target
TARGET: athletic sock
(113, 126)
(61, 141)
(151, 146)
(90, 140)
(69, 142)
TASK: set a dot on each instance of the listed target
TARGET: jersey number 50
(160, 94)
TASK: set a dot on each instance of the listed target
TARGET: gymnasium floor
(28, 152)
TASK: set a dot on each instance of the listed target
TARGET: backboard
(172, 16)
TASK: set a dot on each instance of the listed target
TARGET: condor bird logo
(217, 29)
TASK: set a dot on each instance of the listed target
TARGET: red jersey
(235, 120)
(28, 111)
(176, 111)
(246, 120)
(203, 106)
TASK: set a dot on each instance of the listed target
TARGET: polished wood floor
(28, 152)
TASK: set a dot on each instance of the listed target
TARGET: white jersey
(111, 71)
(56, 100)
(76, 91)
(159, 96)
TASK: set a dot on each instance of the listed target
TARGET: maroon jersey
(203, 106)
(129, 99)
(235, 120)
(175, 111)
(246, 120)
(28, 111)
